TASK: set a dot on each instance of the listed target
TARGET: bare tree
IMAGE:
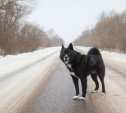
(16, 36)
(11, 12)
(56, 41)
(102, 16)
(109, 33)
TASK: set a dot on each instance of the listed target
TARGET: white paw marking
(81, 98)
(102, 93)
(94, 91)
(75, 97)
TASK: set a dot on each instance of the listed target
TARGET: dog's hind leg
(94, 78)
(103, 84)
(101, 76)
(75, 81)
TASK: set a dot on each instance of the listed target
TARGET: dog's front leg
(84, 87)
(75, 81)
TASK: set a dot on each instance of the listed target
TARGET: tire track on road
(14, 73)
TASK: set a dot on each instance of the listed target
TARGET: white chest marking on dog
(69, 65)
(66, 62)
(73, 74)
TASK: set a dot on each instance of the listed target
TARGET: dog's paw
(81, 98)
(103, 93)
(75, 97)
(94, 91)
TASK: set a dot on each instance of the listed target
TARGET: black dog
(80, 66)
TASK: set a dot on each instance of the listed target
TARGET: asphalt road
(57, 97)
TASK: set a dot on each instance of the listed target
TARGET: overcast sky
(69, 18)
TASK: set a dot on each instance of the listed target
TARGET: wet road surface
(57, 97)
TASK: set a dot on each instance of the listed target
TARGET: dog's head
(67, 54)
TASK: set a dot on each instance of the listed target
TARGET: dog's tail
(94, 51)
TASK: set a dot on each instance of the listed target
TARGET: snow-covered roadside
(14, 63)
(10, 67)
(26, 54)
(113, 55)
(20, 76)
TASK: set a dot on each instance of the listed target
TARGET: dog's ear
(70, 46)
(62, 46)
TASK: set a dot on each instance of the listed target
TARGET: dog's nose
(65, 58)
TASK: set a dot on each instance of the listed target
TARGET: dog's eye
(63, 53)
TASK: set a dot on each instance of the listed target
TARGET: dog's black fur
(81, 65)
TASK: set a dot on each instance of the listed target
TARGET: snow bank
(28, 54)
(114, 55)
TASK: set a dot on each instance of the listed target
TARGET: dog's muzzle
(66, 59)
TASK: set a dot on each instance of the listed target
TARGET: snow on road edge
(115, 55)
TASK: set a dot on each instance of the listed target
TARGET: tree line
(18, 36)
(109, 33)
